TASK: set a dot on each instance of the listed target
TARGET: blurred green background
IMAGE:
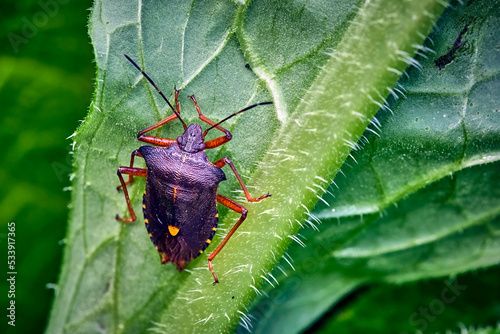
(46, 83)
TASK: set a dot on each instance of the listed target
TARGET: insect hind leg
(235, 207)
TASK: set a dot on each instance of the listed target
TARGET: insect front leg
(132, 172)
(233, 206)
(217, 141)
(222, 162)
(156, 140)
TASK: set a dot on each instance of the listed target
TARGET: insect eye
(201, 147)
(179, 140)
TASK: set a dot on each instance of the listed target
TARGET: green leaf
(484, 330)
(422, 199)
(440, 305)
(310, 59)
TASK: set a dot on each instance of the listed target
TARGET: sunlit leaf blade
(421, 198)
(111, 279)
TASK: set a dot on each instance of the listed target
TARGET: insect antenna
(159, 91)
(236, 113)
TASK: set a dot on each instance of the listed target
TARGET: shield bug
(180, 200)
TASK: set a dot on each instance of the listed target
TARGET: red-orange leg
(130, 177)
(217, 141)
(156, 140)
(177, 104)
(222, 162)
(132, 172)
(235, 207)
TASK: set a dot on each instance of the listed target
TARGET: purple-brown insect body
(182, 183)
